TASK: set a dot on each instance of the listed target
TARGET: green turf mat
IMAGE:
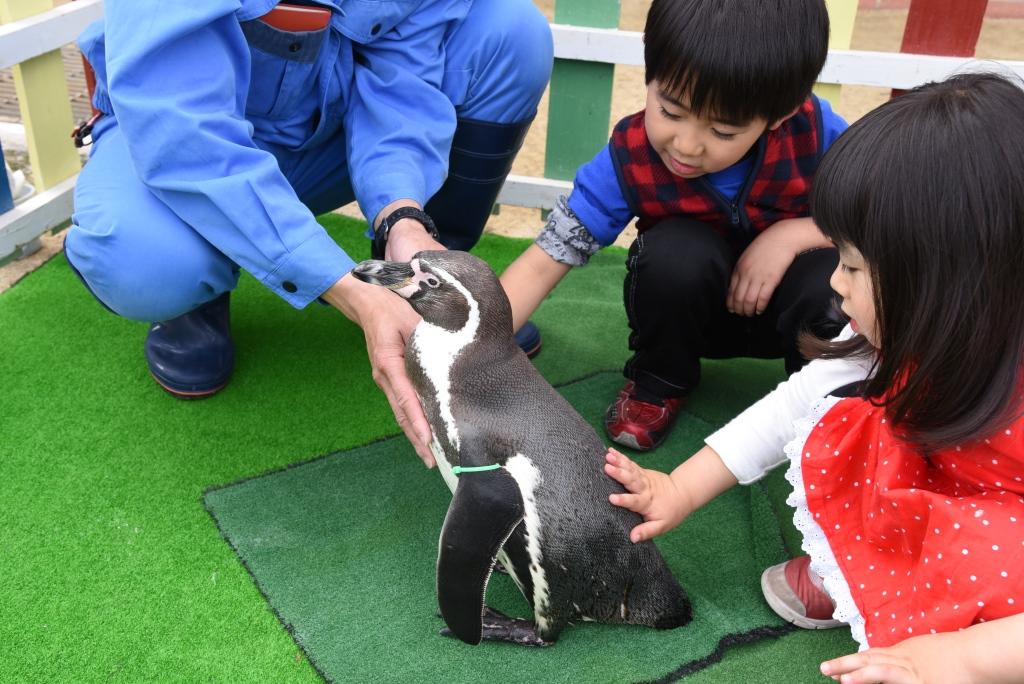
(344, 549)
(112, 569)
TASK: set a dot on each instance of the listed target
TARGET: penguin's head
(443, 287)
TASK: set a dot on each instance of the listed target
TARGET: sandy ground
(881, 29)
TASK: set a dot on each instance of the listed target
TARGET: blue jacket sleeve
(832, 125)
(597, 199)
(178, 77)
(400, 123)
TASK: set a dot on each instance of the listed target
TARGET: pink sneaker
(797, 595)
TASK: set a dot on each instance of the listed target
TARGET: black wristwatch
(380, 234)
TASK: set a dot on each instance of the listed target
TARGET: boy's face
(691, 146)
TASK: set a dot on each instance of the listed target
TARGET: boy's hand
(765, 261)
(650, 493)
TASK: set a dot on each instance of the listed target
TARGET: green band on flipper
(474, 469)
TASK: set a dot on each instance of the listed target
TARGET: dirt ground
(875, 29)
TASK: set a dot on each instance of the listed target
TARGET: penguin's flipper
(485, 509)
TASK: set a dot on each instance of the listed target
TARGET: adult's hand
(407, 236)
(387, 322)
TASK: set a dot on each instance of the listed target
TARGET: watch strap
(380, 234)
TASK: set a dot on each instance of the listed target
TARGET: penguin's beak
(393, 275)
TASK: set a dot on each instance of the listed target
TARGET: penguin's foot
(499, 627)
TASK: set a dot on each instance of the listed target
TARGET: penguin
(525, 471)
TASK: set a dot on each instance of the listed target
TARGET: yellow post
(45, 106)
(841, 15)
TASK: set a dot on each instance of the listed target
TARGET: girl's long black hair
(929, 187)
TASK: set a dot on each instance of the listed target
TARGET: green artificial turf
(111, 569)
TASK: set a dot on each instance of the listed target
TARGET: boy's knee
(680, 258)
(807, 279)
(805, 299)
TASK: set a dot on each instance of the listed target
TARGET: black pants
(677, 279)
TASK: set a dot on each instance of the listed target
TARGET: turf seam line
(288, 627)
(724, 644)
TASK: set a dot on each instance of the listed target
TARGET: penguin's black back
(588, 558)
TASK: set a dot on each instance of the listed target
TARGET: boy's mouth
(681, 169)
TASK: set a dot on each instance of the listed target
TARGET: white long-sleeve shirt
(751, 444)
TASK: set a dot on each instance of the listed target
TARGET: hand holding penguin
(387, 327)
(524, 468)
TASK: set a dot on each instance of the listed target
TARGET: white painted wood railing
(28, 38)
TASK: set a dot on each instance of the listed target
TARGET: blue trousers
(143, 262)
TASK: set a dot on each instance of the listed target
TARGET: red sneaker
(638, 424)
(797, 595)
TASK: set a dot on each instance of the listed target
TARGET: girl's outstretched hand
(922, 659)
(651, 493)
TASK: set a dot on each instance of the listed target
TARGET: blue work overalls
(223, 136)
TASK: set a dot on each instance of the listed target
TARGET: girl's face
(852, 281)
(691, 146)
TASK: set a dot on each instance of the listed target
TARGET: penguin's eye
(432, 282)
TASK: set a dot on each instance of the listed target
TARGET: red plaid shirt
(778, 187)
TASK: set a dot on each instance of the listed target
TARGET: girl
(909, 491)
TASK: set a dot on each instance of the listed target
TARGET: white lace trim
(815, 544)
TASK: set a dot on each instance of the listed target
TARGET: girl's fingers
(861, 667)
(616, 458)
(632, 480)
(630, 501)
(884, 673)
(623, 471)
(646, 530)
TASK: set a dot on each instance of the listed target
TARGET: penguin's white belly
(528, 478)
(435, 350)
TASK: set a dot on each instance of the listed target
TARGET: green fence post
(580, 102)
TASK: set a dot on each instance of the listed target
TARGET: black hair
(929, 188)
(737, 59)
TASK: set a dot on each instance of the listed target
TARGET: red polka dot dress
(908, 545)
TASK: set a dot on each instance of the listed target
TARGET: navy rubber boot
(528, 339)
(481, 158)
(192, 356)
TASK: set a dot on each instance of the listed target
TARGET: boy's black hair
(929, 188)
(737, 60)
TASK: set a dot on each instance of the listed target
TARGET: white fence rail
(41, 33)
(37, 35)
(844, 67)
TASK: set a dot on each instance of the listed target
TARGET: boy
(717, 168)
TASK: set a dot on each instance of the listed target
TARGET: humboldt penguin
(525, 470)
